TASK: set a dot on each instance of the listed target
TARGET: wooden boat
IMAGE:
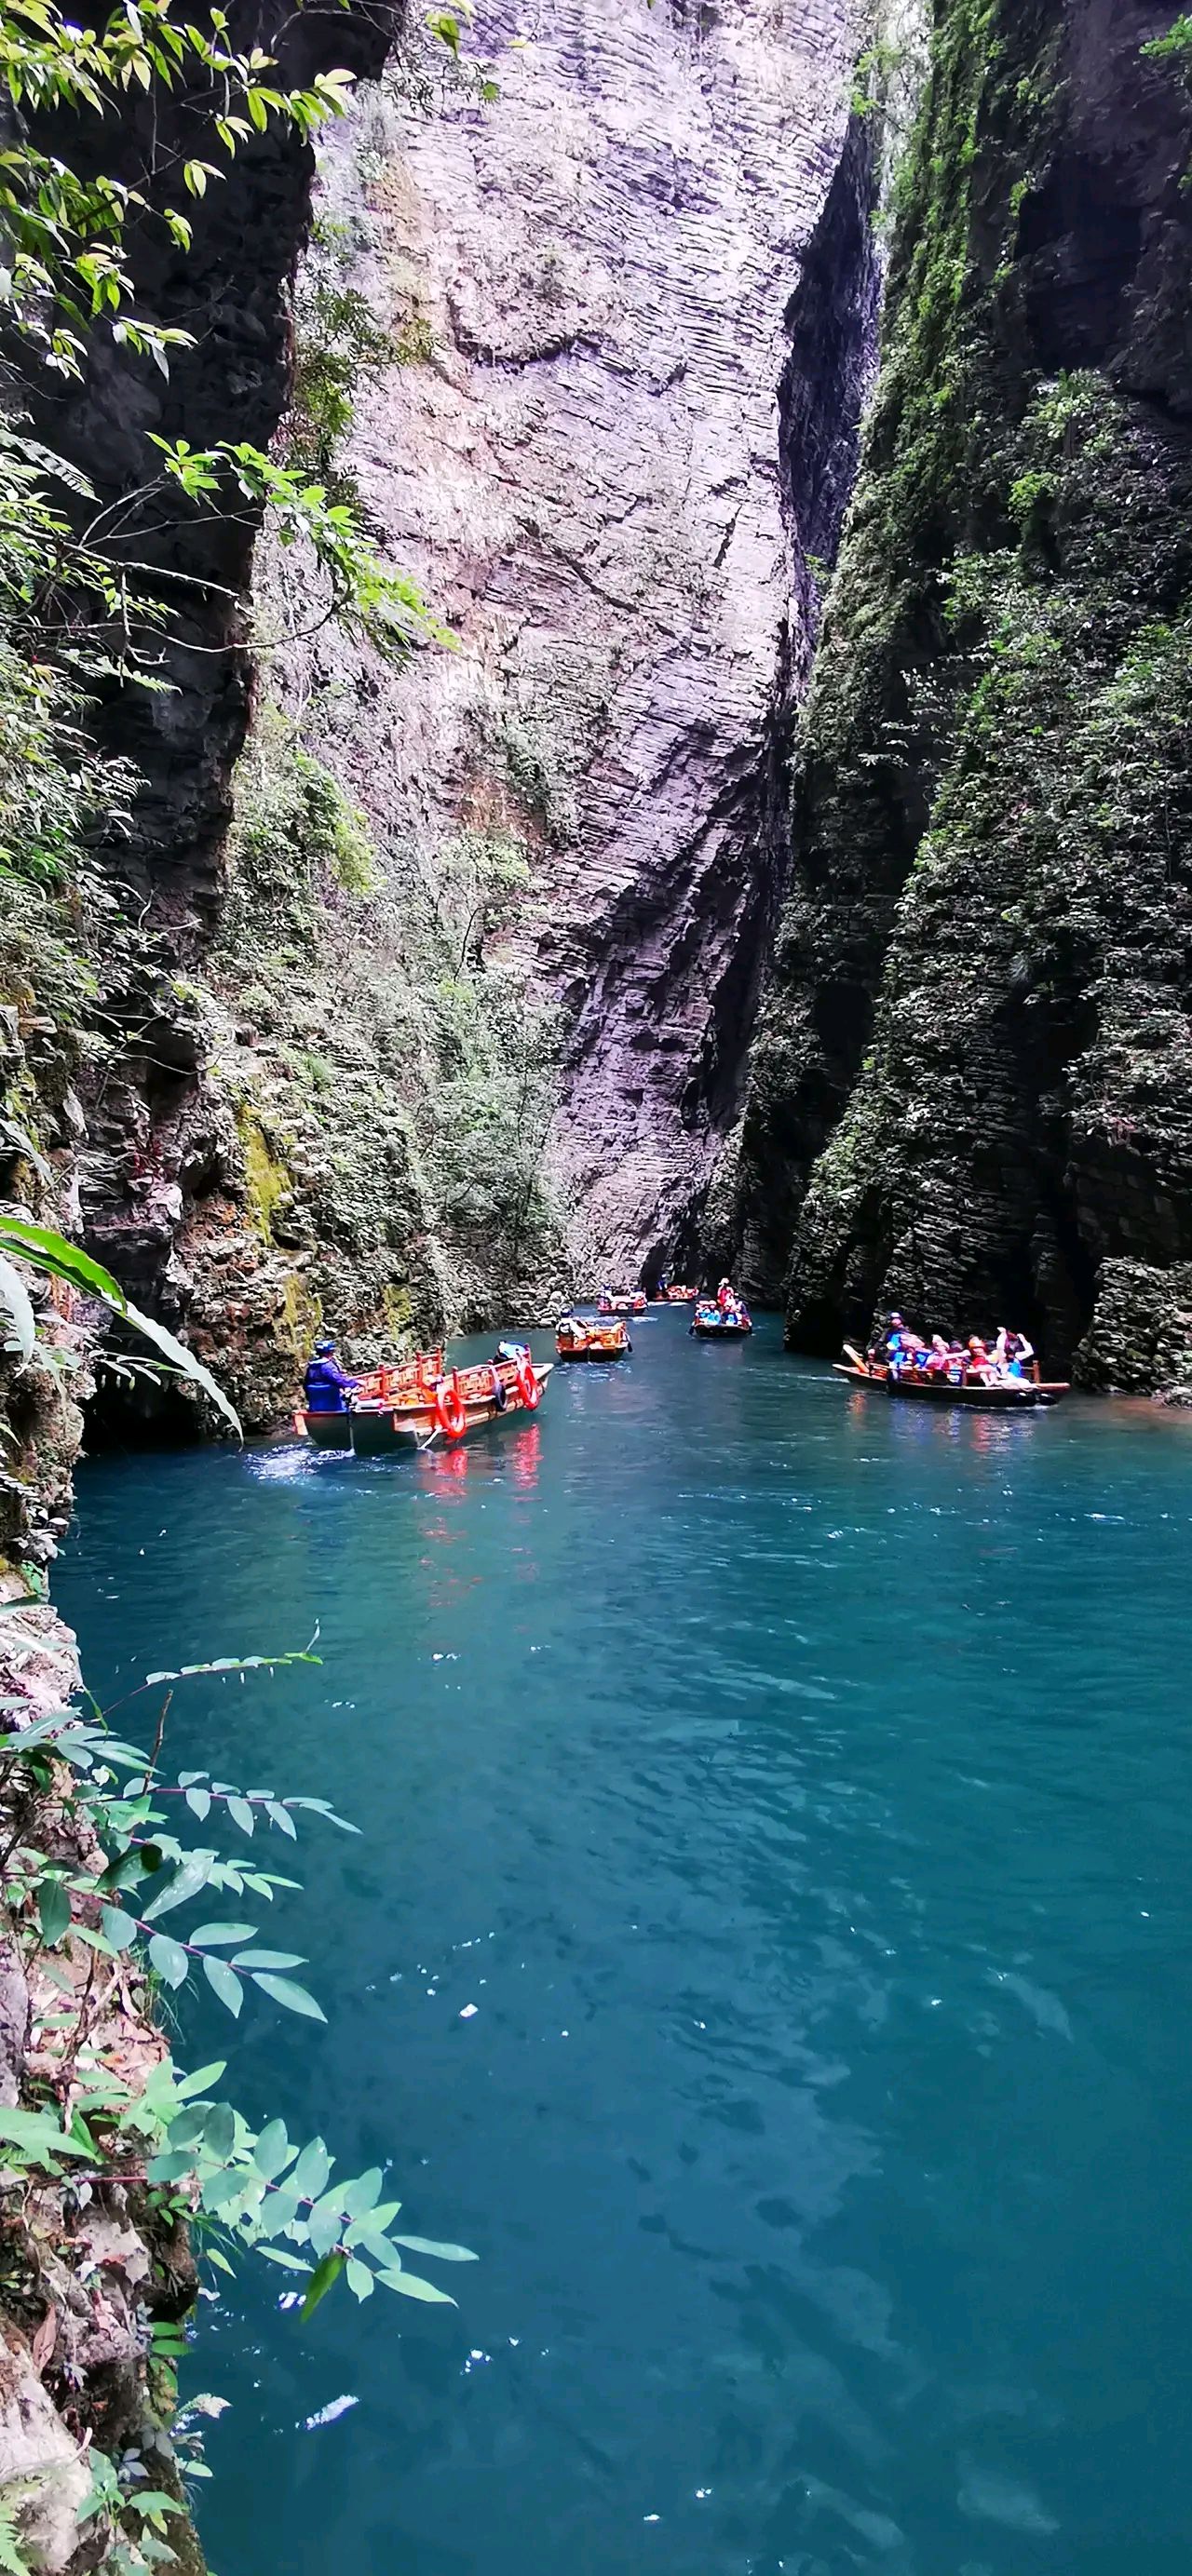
(421, 1404)
(681, 1296)
(626, 1303)
(405, 1388)
(1025, 1395)
(577, 1338)
(709, 1325)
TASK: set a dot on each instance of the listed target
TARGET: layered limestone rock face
(613, 328)
(969, 1093)
(632, 300)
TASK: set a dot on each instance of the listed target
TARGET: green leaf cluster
(249, 2190)
(68, 234)
(268, 2193)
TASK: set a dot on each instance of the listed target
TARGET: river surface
(799, 1789)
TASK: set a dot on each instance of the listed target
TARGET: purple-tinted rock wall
(641, 292)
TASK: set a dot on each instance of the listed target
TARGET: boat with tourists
(622, 1301)
(577, 1337)
(680, 1296)
(413, 1407)
(714, 1323)
(1002, 1377)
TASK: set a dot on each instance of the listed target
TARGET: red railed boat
(420, 1403)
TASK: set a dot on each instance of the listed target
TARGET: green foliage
(385, 607)
(415, 343)
(429, 61)
(1029, 495)
(873, 72)
(74, 607)
(124, 1862)
(54, 789)
(68, 234)
(991, 801)
(1174, 52)
(410, 1072)
(338, 346)
(294, 825)
(248, 2189)
(15, 2493)
(486, 1123)
(1175, 48)
(481, 874)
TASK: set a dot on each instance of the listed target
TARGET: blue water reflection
(767, 1944)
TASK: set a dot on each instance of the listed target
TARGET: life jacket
(325, 1383)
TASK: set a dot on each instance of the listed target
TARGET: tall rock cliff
(108, 1030)
(631, 302)
(452, 1008)
(969, 1092)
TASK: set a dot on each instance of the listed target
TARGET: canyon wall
(631, 304)
(109, 1030)
(969, 1090)
(449, 1014)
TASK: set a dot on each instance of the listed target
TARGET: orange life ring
(529, 1386)
(449, 1408)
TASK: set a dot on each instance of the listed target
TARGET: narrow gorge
(594, 686)
(451, 1011)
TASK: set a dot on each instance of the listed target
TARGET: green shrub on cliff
(487, 1117)
(1174, 48)
(294, 822)
(338, 346)
(54, 787)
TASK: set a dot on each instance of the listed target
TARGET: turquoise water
(800, 1787)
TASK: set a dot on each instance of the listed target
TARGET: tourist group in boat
(725, 1314)
(1008, 1361)
(421, 1402)
(1001, 1374)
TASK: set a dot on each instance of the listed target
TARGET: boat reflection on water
(519, 1455)
(524, 1453)
(992, 1435)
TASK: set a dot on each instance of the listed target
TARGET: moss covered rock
(969, 1091)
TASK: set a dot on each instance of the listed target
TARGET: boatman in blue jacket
(327, 1385)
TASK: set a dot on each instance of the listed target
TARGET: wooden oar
(857, 1360)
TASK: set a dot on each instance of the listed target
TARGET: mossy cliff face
(630, 302)
(969, 1094)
